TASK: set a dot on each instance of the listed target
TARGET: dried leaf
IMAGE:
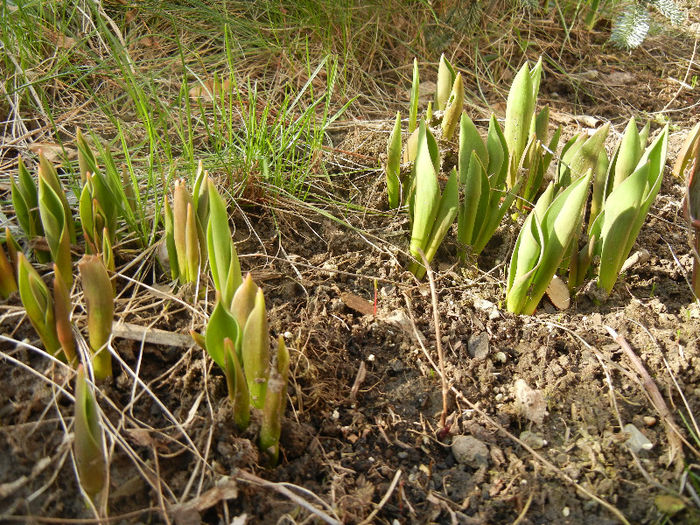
(357, 303)
(210, 89)
(530, 403)
(558, 293)
(54, 153)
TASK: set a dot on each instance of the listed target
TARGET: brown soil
(362, 438)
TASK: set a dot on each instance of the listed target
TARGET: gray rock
(479, 346)
(469, 451)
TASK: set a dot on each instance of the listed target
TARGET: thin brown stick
(673, 432)
(438, 339)
(283, 489)
(44, 519)
(382, 502)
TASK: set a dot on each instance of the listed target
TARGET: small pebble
(469, 451)
(636, 441)
(533, 440)
(649, 421)
(479, 346)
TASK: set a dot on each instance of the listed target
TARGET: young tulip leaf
(519, 110)
(54, 222)
(221, 326)
(627, 156)
(413, 101)
(223, 258)
(99, 302)
(255, 351)
(473, 187)
(470, 141)
(621, 209)
(87, 447)
(393, 164)
(551, 236)
(47, 173)
(445, 80)
(427, 196)
(38, 304)
(87, 162)
(25, 201)
(524, 263)
(447, 211)
(237, 386)
(625, 210)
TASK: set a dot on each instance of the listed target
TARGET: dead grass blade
(675, 437)
(284, 489)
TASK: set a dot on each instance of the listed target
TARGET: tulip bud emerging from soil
(244, 300)
(271, 426)
(62, 305)
(237, 386)
(8, 284)
(38, 304)
(99, 299)
(87, 447)
(256, 351)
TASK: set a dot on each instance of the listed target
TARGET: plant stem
(438, 339)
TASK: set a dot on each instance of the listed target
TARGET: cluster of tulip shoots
(487, 179)
(237, 333)
(44, 216)
(236, 336)
(512, 164)
(559, 237)
(689, 158)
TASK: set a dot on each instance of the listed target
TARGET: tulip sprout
(57, 222)
(99, 299)
(25, 201)
(544, 239)
(87, 446)
(623, 191)
(432, 214)
(236, 338)
(520, 109)
(8, 283)
(690, 156)
(38, 304)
